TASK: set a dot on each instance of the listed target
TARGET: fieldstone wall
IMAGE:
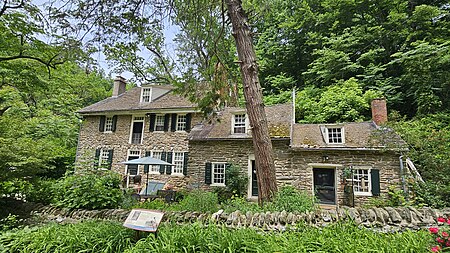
(91, 138)
(387, 219)
(295, 167)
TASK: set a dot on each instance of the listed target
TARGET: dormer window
(335, 135)
(239, 124)
(146, 95)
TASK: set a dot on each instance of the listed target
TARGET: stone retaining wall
(384, 219)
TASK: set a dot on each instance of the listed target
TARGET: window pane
(159, 123)
(181, 122)
(157, 155)
(361, 180)
(334, 135)
(239, 124)
(146, 95)
(108, 124)
(218, 173)
(178, 160)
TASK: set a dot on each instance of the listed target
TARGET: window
(178, 160)
(159, 123)
(239, 124)
(335, 135)
(155, 168)
(109, 124)
(133, 169)
(146, 95)
(181, 123)
(218, 174)
(137, 128)
(104, 158)
(361, 181)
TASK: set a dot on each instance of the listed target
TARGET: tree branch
(6, 6)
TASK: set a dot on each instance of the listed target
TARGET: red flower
(441, 219)
(436, 249)
(448, 221)
(444, 234)
(434, 230)
(440, 240)
(447, 244)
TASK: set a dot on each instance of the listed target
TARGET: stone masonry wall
(387, 219)
(295, 167)
(91, 138)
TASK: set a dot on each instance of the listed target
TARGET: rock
(393, 215)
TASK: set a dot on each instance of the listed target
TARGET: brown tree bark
(265, 167)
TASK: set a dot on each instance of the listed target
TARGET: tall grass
(89, 236)
(336, 238)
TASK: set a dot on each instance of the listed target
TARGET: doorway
(324, 185)
(254, 181)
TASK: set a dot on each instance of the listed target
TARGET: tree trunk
(265, 167)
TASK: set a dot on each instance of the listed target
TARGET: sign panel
(143, 220)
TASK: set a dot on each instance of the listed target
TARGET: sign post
(144, 220)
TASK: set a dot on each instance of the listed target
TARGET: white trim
(233, 122)
(182, 164)
(126, 166)
(212, 174)
(369, 179)
(185, 122)
(249, 174)
(151, 166)
(327, 139)
(164, 118)
(142, 94)
(133, 119)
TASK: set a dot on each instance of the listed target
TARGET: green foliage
(92, 190)
(240, 203)
(431, 194)
(8, 223)
(334, 238)
(290, 199)
(88, 236)
(236, 184)
(342, 102)
(199, 201)
(41, 191)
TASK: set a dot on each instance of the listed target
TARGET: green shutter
(188, 122)
(101, 126)
(162, 168)
(185, 163)
(166, 122)
(375, 175)
(110, 158)
(227, 172)
(97, 157)
(146, 166)
(208, 171)
(173, 126)
(169, 160)
(114, 122)
(152, 122)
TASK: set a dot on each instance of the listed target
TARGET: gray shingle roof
(278, 116)
(362, 135)
(130, 100)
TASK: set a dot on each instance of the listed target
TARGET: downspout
(293, 117)
(402, 174)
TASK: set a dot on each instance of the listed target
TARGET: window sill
(107, 132)
(153, 173)
(219, 185)
(177, 175)
(363, 194)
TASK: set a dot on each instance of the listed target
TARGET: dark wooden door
(324, 185)
(254, 181)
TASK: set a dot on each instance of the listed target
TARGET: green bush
(290, 199)
(334, 238)
(199, 201)
(89, 236)
(41, 191)
(236, 184)
(241, 204)
(92, 190)
(431, 194)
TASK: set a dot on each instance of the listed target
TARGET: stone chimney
(379, 111)
(120, 85)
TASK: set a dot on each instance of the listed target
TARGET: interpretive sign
(143, 220)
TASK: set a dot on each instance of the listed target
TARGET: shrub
(241, 204)
(199, 201)
(431, 194)
(290, 199)
(41, 191)
(236, 184)
(93, 190)
(89, 236)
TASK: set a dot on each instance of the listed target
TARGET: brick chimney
(120, 85)
(379, 111)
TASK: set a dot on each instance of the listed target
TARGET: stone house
(327, 160)
(324, 159)
(143, 121)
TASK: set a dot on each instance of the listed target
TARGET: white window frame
(159, 116)
(358, 179)
(327, 132)
(146, 95)
(181, 125)
(133, 152)
(108, 124)
(233, 123)
(139, 118)
(213, 175)
(103, 159)
(177, 170)
(154, 169)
